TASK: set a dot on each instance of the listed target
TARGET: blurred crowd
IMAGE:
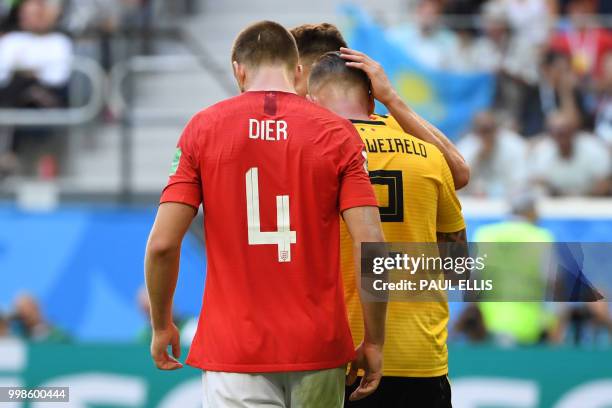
(26, 321)
(550, 125)
(507, 324)
(38, 42)
(583, 322)
(551, 122)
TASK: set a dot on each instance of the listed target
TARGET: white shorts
(297, 389)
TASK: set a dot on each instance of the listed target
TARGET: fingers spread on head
(351, 57)
(358, 65)
(351, 51)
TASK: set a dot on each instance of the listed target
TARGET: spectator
(528, 322)
(491, 151)
(557, 90)
(583, 40)
(603, 113)
(514, 58)
(30, 324)
(35, 55)
(470, 53)
(530, 19)
(426, 39)
(585, 324)
(4, 326)
(470, 327)
(569, 162)
(35, 66)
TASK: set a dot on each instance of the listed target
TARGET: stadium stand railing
(71, 115)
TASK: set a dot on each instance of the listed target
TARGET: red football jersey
(273, 171)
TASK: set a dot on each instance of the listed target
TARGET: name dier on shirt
(270, 130)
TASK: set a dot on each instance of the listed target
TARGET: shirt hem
(268, 368)
(454, 227)
(358, 203)
(182, 193)
(416, 373)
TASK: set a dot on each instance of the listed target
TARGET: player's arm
(414, 124)
(363, 224)
(161, 273)
(408, 119)
(358, 206)
(454, 245)
(180, 199)
(450, 225)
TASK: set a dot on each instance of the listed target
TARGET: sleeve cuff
(358, 202)
(184, 193)
(452, 227)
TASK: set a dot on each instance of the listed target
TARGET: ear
(298, 74)
(239, 75)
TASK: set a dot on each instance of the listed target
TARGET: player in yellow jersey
(417, 202)
(314, 40)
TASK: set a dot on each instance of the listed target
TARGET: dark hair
(331, 67)
(551, 57)
(314, 40)
(265, 42)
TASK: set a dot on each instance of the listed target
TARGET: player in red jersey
(273, 171)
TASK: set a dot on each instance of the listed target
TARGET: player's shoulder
(393, 127)
(219, 109)
(219, 112)
(387, 119)
(432, 151)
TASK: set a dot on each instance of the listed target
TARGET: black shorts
(405, 392)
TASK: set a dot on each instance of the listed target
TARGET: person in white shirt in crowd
(425, 38)
(507, 52)
(569, 162)
(603, 112)
(513, 58)
(530, 20)
(497, 157)
(36, 49)
(35, 67)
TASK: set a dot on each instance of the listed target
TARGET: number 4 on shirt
(282, 237)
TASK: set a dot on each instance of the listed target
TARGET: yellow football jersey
(416, 197)
(389, 120)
